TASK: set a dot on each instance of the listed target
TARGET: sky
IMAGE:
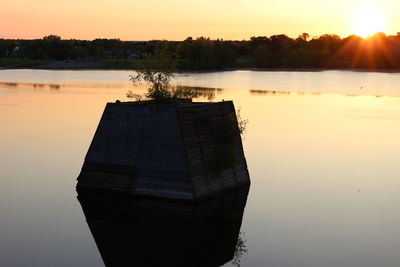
(178, 19)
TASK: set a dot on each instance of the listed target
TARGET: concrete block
(180, 150)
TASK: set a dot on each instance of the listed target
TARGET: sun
(369, 20)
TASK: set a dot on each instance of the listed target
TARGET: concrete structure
(153, 232)
(178, 150)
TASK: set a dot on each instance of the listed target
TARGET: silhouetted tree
(278, 51)
(262, 56)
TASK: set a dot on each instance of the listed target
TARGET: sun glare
(368, 21)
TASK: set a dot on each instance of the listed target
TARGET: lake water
(322, 148)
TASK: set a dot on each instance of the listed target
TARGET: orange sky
(178, 19)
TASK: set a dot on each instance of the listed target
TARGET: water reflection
(66, 85)
(308, 156)
(55, 86)
(269, 92)
(38, 85)
(10, 84)
(151, 232)
(183, 91)
(197, 91)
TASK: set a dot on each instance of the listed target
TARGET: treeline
(277, 51)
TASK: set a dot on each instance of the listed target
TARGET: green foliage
(204, 53)
(157, 70)
(242, 123)
(21, 62)
(262, 56)
(277, 51)
(240, 249)
(52, 37)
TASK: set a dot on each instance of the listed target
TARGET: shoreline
(101, 65)
(86, 68)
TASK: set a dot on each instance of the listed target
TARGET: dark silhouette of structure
(178, 150)
(151, 232)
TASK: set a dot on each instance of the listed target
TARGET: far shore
(101, 65)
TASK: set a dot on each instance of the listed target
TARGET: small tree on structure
(157, 70)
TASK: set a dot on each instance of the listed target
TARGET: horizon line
(202, 36)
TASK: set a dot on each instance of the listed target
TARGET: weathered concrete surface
(187, 151)
(151, 232)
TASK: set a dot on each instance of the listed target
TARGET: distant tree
(262, 56)
(326, 51)
(224, 55)
(52, 37)
(260, 40)
(303, 37)
(279, 42)
(3, 48)
(197, 54)
(204, 53)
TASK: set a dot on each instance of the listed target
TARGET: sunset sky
(178, 19)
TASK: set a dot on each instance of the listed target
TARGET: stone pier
(178, 150)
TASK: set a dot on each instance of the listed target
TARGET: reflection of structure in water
(150, 232)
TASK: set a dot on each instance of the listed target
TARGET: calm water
(322, 148)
